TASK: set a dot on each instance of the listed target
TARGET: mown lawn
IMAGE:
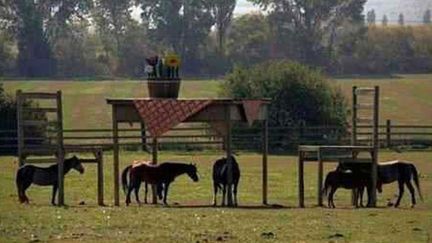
(189, 218)
(405, 100)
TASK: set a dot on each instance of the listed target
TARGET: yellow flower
(172, 60)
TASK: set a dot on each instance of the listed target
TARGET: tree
(385, 20)
(304, 25)
(371, 17)
(112, 18)
(223, 12)
(300, 95)
(427, 19)
(179, 25)
(401, 19)
(249, 39)
(36, 25)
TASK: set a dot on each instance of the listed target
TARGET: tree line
(100, 38)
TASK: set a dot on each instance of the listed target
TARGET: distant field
(405, 100)
(191, 219)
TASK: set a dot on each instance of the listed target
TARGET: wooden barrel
(163, 88)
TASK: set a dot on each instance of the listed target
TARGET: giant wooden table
(336, 153)
(220, 110)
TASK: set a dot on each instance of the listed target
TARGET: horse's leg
(145, 192)
(166, 193)
(130, 187)
(24, 186)
(136, 190)
(331, 194)
(412, 191)
(235, 193)
(361, 192)
(401, 191)
(215, 190)
(54, 193)
(224, 190)
(356, 197)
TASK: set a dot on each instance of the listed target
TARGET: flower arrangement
(163, 68)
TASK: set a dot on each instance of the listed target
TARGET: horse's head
(76, 164)
(193, 172)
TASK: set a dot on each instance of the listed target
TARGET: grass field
(405, 100)
(190, 219)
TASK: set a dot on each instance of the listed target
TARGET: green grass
(190, 219)
(405, 100)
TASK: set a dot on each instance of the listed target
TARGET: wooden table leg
(301, 180)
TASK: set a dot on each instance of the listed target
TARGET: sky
(413, 10)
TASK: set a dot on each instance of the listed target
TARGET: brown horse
(30, 174)
(164, 174)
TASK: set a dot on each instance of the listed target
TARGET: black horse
(126, 176)
(29, 174)
(348, 180)
(220, 179)
(163, 174)
(401, 171)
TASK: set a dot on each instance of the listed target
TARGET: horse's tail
(124, 178)
(416, 180)
(326, 186)
(20, 176)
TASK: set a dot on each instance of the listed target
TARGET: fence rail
(419, 136)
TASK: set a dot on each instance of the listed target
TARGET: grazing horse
(29, 174)
(125, 175)
(391, 171)
(220, 179)
(164, 173)
(348, 180)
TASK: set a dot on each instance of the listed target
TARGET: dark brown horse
(391, 171)
(348, 180)
(220, 179)
(164, 174)
(29, 174)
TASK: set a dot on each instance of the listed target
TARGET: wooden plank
(39, 95)
(60, 149)
(38, 123)
(155, 148)
(354, 116)
(362, 91)
(364, 106)
(228, 147)
(116, 157)
(100, 176)
(20, 130)
(41, 161)
(301, 179)
(44, 110)
(364, 120)
(264, 161)
(320, 179)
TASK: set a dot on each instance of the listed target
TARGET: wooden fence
(244, 138)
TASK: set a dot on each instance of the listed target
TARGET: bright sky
(413, 10)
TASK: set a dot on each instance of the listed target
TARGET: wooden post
(320, 177)
(301, 179)
(100, 183)
(264, 160)
(388, 134)
(20, 129)
(228, 155)
(154, 161)
(60, 149)
(116, 156)
(143, 137)
(354, 117)
(375, 147)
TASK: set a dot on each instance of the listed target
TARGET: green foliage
(8, 124)
(300, 95)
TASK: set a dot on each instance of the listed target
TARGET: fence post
(388, 133)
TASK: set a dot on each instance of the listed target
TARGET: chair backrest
(39, 126)
(365, 116)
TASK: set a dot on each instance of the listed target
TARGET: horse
(220, 179)
(125, 174)
(391, 171)
(348, 180)
(28, 174)
(164, 174)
